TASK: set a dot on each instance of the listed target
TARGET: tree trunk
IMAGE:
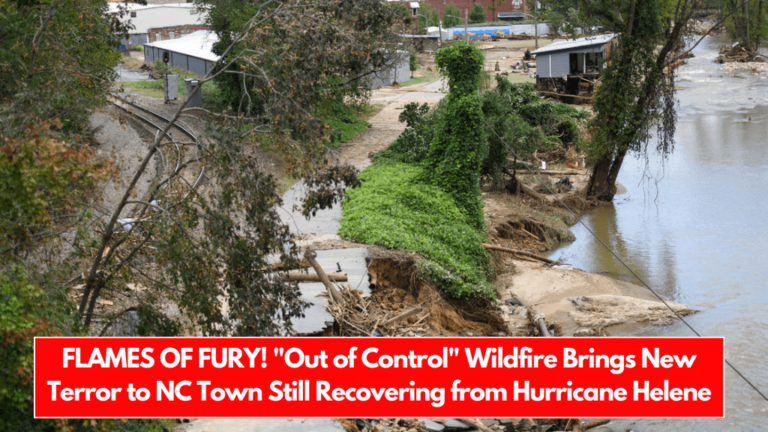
(602, 182)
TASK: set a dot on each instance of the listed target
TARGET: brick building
(505, 6)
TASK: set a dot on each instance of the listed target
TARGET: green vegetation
(433, 19)
(484, 23)
(477, 14)
(423, 194)
(346, 122)
(452, 16)
(394, 208)
(139, 48)
(429, 76)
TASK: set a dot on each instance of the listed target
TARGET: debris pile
(704, 26)
(467, 425)
(753, 67)
(738, 53)
(605, 310)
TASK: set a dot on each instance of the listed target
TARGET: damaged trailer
(573, 67)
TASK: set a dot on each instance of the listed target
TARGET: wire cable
(619, 259)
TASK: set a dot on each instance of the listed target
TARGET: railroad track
(158, 122)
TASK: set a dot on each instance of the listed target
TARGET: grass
(497, 23)
(520, 78)
(429, 76)
(351, 122)
(391, 208)
(155, 88)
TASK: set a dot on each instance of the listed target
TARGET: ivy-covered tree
(638, 91)
(453, 161)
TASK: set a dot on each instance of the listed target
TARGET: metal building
(146, 17)
(571, 66)
(399, 72)
(193, 52)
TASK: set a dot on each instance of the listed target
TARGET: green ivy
(394, 209)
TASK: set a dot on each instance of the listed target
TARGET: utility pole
(536, 21)
(466, 18)
(439, 24)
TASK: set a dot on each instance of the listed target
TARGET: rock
(432, 426)
(380, 428)
(454, 424)
(489, 422)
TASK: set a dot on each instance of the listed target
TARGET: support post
(439, 24)
(466, 18)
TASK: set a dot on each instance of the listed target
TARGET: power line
(619, 259)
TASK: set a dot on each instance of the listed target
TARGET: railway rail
(152, 118)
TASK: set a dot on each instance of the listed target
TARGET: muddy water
(698, 233)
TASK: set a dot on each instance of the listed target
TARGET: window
(133, 14)
(413, 11)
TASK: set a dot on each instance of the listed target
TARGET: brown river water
(698, 233)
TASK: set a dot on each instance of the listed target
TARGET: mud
(395, 286)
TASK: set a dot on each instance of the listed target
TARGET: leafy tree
(746, 20)
(452, 16)
(638, 91)
(515, 116)
(432, 18)
(477, 14)
(493, 8)
(56, 60)
(402, 12)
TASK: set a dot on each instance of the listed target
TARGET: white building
(193, 52)
(143, 18)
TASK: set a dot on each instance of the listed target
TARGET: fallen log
(280, 265)
(299, 276)
(596, 423)
(558, 172)
(334, 294)
(520, 252)
(528, 191)
(409, 313)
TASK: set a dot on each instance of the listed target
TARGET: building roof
(197, 44)
(113, 7)
(577, 43)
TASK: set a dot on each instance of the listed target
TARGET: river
(698, 231)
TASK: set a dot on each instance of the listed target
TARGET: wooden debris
(299, 276)
(521, 252)
(336, 297)
(362, 316)
(280, 265)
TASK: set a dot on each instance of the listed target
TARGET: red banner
(378, 377)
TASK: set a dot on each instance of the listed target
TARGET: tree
(637, 92)
(432, 18)
(453, 161)
(478, 14)
(452, 16)
(49, 49)
(56, 60)
(493, 8)
(746, 20)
